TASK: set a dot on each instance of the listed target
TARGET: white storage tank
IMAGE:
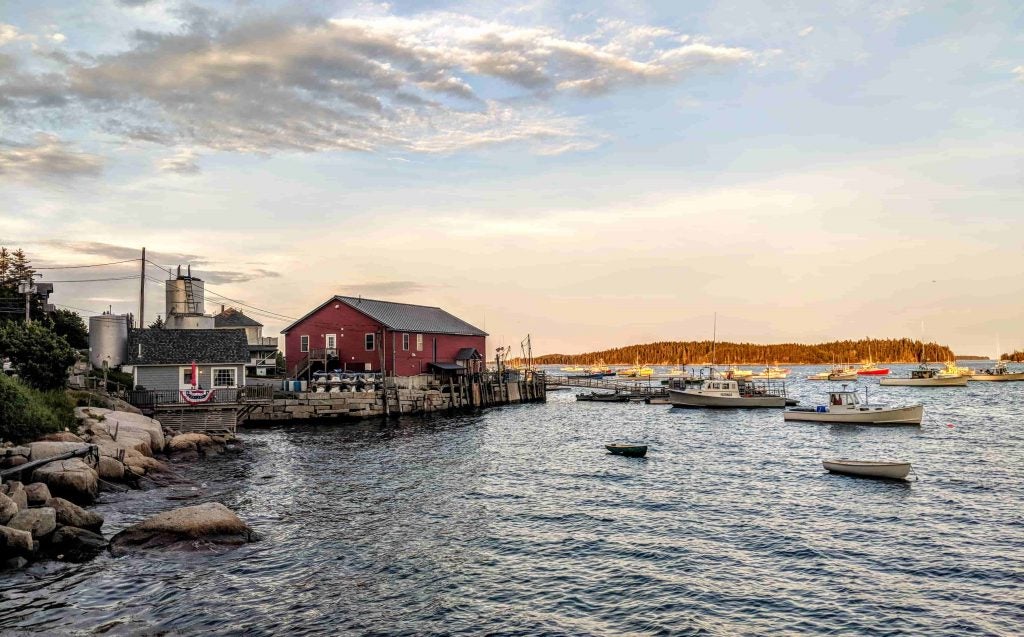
(108, 339)
(185, 295)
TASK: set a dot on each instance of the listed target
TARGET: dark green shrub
(26, 413)
(39, 355)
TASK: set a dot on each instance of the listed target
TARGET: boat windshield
(843, 398)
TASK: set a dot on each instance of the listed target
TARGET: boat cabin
(923, 372)
(848, 399)
(727, 388)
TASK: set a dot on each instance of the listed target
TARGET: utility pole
(142, 292)
(27, 287)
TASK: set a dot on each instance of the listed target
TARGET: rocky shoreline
(45, 516)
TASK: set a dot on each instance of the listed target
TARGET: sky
(591, 174)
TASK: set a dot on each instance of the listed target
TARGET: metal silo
(185, 294)
(108, 339)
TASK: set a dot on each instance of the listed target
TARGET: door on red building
(331, 343)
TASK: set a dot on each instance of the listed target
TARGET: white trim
(181, 376)
(373, 336)
(213, 378)
(405, 341)
(419, 342)
(304, 350)
(327, 343)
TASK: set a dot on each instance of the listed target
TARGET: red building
(358, 334)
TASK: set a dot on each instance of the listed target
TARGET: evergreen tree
(158, 324)
(5, 267)
(20, 268)
(69, 325)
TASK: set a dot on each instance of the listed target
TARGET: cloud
(44, 158)
(228, 276)
(118, 252)
(384, 288)
(183, 163)
(1019, 72)
(429, 83)
(9, 33)
(806, 31)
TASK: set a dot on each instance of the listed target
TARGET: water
(516, 521)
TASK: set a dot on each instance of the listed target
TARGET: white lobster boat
(925, 377)
(999, 373)
(845, 407)
(869, 468)
(728, 394)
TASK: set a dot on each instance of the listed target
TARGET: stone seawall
(361, 404)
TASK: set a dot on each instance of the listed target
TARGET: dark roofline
(342, 299)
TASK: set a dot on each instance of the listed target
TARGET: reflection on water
(517, 520)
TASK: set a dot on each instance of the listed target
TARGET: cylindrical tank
(185, 295)
(108, 339)
(189, 322)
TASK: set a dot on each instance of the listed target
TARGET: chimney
(221, 308)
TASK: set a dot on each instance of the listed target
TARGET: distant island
(902, 350)
(1016, 357)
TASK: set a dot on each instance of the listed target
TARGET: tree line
(1015, 356)
(901, 350)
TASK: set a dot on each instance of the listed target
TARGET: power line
(258, 311)
(91, 265)
(119, 278)
(77, 309)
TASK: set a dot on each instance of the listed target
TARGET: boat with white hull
(925, 377)
(727, 394)
(1000, 373)
(869, 468)
(846, 407)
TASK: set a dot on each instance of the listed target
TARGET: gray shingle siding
(166, 377)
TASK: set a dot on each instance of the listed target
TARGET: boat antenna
(714, 340)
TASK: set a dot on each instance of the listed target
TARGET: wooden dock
(646, 388)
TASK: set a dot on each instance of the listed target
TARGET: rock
(39, 522)
(16, 563)
(110, 468)
(16, 451)
(37, 494)
(8, 508)
(40, 450)
(71, 479)
(75, 544)
(9, 462)
(16, 492)
(184, 456)
(70, 514)
(203, 526)
(62, 436)
(14, 542)
(189, 442)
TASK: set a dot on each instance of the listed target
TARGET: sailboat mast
(714, 339)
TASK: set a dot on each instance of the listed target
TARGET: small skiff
(869, 468)
(633, 451)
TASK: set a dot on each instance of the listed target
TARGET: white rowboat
(869, 468)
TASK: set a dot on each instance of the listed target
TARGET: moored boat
(573, 369)
(953, 369)
(868, 368)
(845, 406)
(728, 394)
(771, 373)
(999, 373)
(925, 376)
(632, 451)
(603, 397)
(869, 468)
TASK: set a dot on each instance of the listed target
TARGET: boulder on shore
(37, 494)
(70, 514)
(204, 526)
(110, 468)
(14, 543)
(16, 492)
(49, 449)
(76, 545)
(8, 508)
(71, 479)
(39, 522)
(62, 436)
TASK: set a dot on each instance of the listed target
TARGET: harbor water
(516, 521)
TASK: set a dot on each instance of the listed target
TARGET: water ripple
(517, 522)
